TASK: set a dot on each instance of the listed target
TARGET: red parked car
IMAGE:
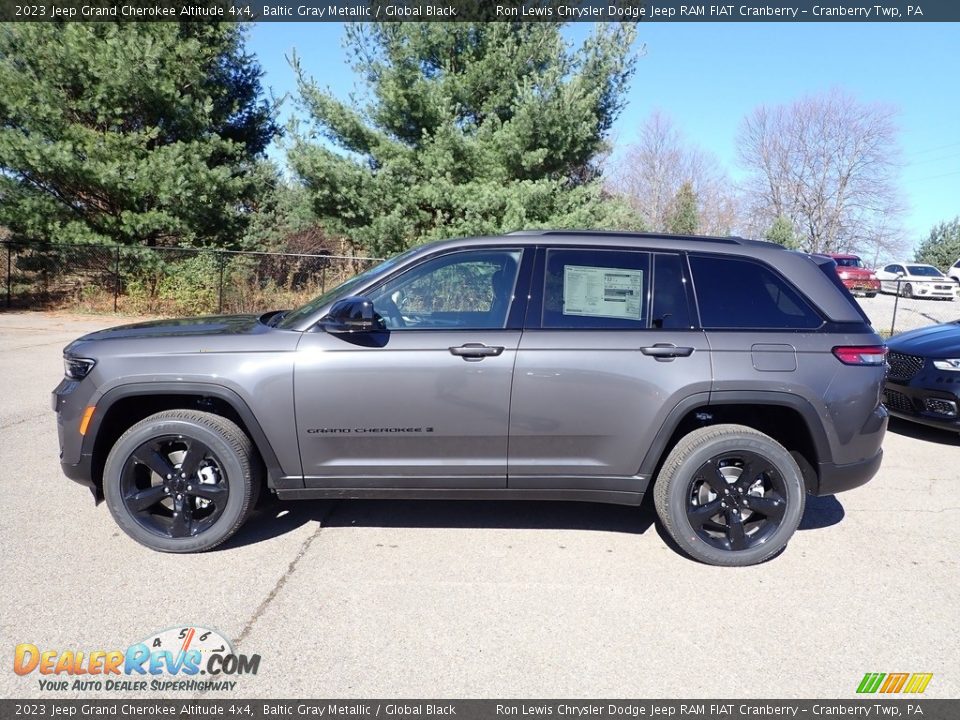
(857, 277)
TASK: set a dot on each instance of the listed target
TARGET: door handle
(666, 351)
(475, 351)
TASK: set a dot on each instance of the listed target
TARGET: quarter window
(733, 293)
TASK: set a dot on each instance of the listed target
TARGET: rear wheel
(181, 480)
(730, 495)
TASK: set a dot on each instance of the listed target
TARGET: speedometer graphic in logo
(179, 641)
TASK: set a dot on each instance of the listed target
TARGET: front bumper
(943, 291)
(76, 465)
(871, 287)
(82, 473)
(921, 404)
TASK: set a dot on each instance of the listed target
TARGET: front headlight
(872, 276)
(844, 274)
(77, 368)
(948, 364)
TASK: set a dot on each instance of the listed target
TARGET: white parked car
(954, 272)
(916, 280)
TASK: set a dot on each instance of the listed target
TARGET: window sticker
(602, 292)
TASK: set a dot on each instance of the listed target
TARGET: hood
(183, 327)
(937, 341)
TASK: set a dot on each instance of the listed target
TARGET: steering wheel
(389, 308)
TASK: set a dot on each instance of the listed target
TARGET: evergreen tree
(129, 132)
(683, 218)
(782, 233)
(467, 128)
(942, 245)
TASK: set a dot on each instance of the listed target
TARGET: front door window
(460, 291)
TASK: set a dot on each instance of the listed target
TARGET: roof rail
(730, 240)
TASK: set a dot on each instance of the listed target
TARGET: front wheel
(908, 290)
(730, 495)
(181, 481)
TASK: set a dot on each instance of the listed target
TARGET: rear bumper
(834, 478)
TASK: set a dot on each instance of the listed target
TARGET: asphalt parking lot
(446, 599)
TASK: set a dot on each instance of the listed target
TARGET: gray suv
(729, 377)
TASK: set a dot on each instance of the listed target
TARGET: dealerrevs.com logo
(186, 658)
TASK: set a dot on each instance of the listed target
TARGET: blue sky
(708, 76)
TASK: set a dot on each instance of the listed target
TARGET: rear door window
(600, 289)
(616, 289)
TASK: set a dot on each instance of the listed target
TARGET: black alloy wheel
(182, 480)
(729, 494)
(174, 486)
(736, 500)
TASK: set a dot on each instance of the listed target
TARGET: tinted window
(924, 271)
(463, 291)
(737, 293)
(596, 289)
(671, 308)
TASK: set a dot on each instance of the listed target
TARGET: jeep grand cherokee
(728, 377)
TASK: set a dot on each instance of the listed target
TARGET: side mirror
(901, 274)
(353, 314)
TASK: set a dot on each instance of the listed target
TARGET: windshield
(924, 271)
(342, 290)
(852, 262)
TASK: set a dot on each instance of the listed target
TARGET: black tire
(767, 505)
(215, 494)
(871, 294)
(908, 290)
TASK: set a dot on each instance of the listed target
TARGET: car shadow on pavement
(274, 518)
(923, 432)
(821, 512)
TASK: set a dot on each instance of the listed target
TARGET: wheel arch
(123, 406)
(789, 419)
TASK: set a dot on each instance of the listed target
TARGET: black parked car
(924, 380)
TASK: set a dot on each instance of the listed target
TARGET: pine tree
(782, 233)
(942, 245)
(468, 128)
(129, 132)
(683, 218)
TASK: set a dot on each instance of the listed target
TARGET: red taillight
(861, 354)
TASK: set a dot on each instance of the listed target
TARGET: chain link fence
(166, 281)
(189, 281)
(905, 305)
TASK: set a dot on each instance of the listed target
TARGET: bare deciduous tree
(829, 163)
(651, 172)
